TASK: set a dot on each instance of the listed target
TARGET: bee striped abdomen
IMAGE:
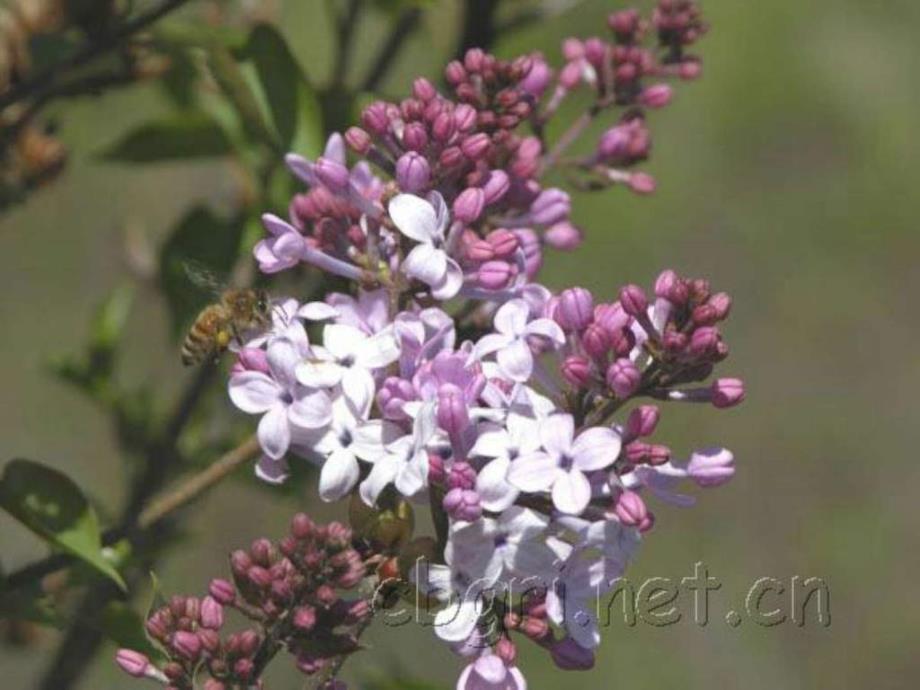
(203, 340)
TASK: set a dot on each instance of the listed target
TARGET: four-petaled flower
(513, 327)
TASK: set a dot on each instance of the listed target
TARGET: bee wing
(203, 277)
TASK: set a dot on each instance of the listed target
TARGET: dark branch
(405, 24)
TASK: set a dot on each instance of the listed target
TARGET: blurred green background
(784, 176)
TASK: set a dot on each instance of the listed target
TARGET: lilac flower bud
(570, 75)
(243, 668)
(412, 172)
(595, 341)
(633, 300)
(533, 254)
(570, 656)
(212, 613)
(551, 206)
(506, 650)
(464, 117)
(496, 186)
(576, 371)
(727, 392)
(304, 618)
(630, 509)
(462, 504)
(476, 249)
(614, 143)
(721, 304)
(302, 526)
(623, 377)
(476, 146)
(656, 96)
(192, 608)
(642, 421)
(261, 551)
(504, 243)
(538, 77)
(186, 644)
(213, 684)
(711, 467)
(462, 476)
(495, 275)
(642, 183)
(443, 127)
(595, 50)
(251, 359)
(624, 22)
(563, 236)
(358, 140)
(451, 157)
(704, 342)
(669, 286)
(392, 395)
(249, 642)
(423, 89)
(222, 591)
(575, 310)
(415, 137)
(468, 205)
(453, 416)
(210, 639)
(331, 173)
(454, 73)
(133, 663)
(259, 576)
(375, 117)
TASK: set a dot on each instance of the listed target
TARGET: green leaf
(295, 109)
(192, 135)
(50, 504)
(110, 318)
(204, 240)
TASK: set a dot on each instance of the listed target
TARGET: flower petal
(546, 328)
(311, 410)
(319, 374)
(595, 448)
(379, 350)
(426, 263)
(272, 471)
(492, 443)
(339, 474)
(511, 318)
(488, 344)
(535, 472)
(254, 392)
(451, 282)
(571, 492)
(455, 622)
(283, 357)
(342, 340)
(358, 386)
(415, 217)
(495, 491)
(383, 472)
(274, 432)
(556, 434)
(516, 360)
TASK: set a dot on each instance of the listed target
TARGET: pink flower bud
(551, 206)
(302, 526)
(453, 416)
(304, 618)
(375, 118)
(462, 504)
(575, 309)
(642, 421)
(186, 644)
(563, 236)
(533, 253)
(415, 137)
(506, 650)
(210, 639)
(576, 371)
(423, 89)
(624, 22)
(476, 146)
(642, 183)
(633, 300)
(711, 467)
(249, 641)
(243, 668)
(596, 341)
(570, 75)
(623, 377)
(727, 392)
(358, 140)
(630, 509)
(251, 359)
(331, 173)
(614, 143)
(671, 287)
(503, 242)
(212, 613)
(213, 684)
(261, 551)
(464, 117)
(595, 50)
(538, 77)
(573, 49)
(496, 186)
(222, 591)
(704, 342)
(454, 73)
(656, 96)
(413, 173)
(468, 205)
(133, 663)
(495, 275)
(259, 576)
(690, 70)
(570, 656)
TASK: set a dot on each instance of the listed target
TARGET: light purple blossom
(513, 326)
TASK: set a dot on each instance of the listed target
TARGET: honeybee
(238, 311)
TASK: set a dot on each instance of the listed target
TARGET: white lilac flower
(283, 402)
(561, 466)
(490, 672)
(348, 439)
(519, 437)
(404, 462)
(512, 329)
(349, 357)
(513, 541)
(369, 313)
(426, 222)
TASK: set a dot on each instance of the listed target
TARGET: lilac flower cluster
(450, 378)
(290, 590)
